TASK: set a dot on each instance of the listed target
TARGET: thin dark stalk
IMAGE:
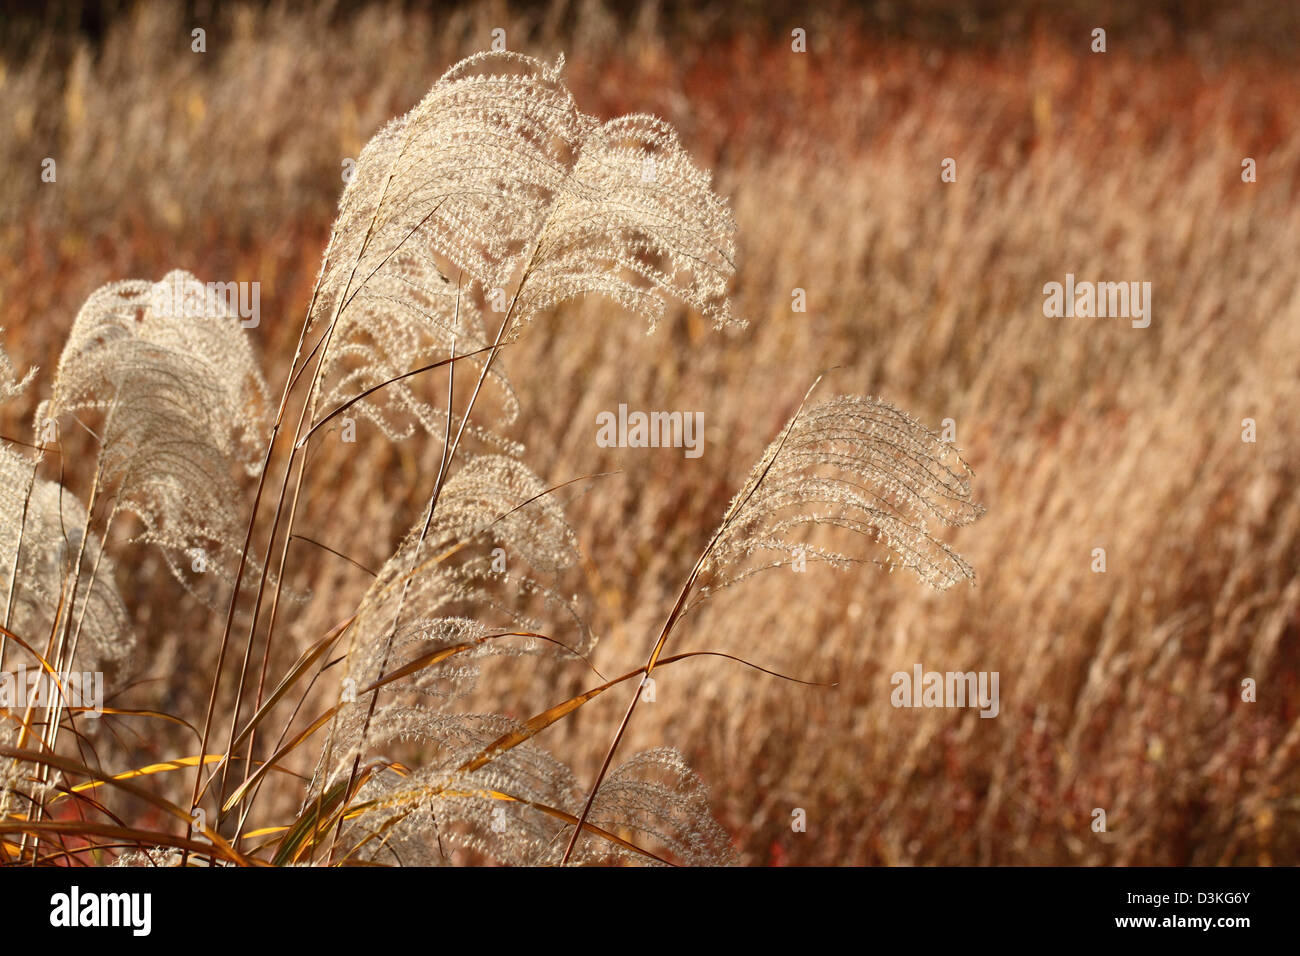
(337, 553)
(673, 617)
(248, 540)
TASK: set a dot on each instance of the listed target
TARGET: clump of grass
(494, 200)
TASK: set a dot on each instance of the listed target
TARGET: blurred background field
(1119, 691)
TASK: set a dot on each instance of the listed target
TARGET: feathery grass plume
(426, 813)
(50, 524)
(10, 384)
(655, 794)
(169, 367)
(460, 184)
(859, 464)
(466, 178)
(43, 535)
(160, 856)
(502, 810)
(14, 493)
(397, 324)
(491, 502)
(492, 507)
(853, 463)
(636, 221)
(515, 809)
(419, 816)
(512, 808)
(497, 177)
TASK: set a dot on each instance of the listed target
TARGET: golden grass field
(1119, 690)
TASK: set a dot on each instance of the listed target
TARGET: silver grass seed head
(861, 465)
(171, 371)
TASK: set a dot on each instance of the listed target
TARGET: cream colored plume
(183, 407)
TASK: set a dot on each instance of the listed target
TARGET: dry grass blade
(69, 766)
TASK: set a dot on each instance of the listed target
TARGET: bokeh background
(1119, 691)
